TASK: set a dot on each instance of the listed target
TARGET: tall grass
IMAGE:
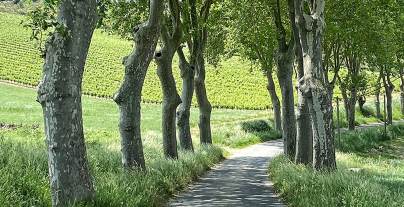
(376, 181)
(24, 171)
(363, 140)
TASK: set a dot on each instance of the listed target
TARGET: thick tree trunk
(304, 137)
(285, 75)
(60, 96)
(276, 105)
(205, 108)
(128, 97)
(313, 84)
(184, 110)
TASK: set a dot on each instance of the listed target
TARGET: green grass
(379, 181)
(370, 116)
(23, 158)
(234, 84)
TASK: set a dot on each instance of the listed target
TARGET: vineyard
(233, 84)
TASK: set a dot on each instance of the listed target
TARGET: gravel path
(240, 180)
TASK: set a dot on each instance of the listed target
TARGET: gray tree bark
(285, 59)
(313, 86)
(183, 112)
(304, 137)
(205, 108)
(60, 96)
(276, 104)
(285, 73)
(389, 88)
(351, 103)
(129, 94)
(199, 40)
(164, 58)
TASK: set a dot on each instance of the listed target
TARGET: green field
(370, 173)
(234, 84)
(23, 159)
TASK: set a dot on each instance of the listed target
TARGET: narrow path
(240, 180)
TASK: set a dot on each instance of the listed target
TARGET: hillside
(234, 84)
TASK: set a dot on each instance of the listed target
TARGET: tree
(313, 86)
(284, 60)
(128, 97)
(304, 134)
(385, 33)
(200, 39)
(59, 93)
(253, 39)
(171, 36)
(183, 112)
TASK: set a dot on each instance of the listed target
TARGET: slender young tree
(171, 36)
(310, 26)
(60, 96)
(129, 95)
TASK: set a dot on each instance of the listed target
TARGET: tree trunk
(389, 106)
(304, 137)
(389, 88)
(351, 110)
(60, 96)
(276, 105)
(377, 99)
(313, 84)
(361, 103)
(377, 105)
(171, 99)
(285, 76)
(128, 97)
(171, 39)
(205, 108)
(183, 112)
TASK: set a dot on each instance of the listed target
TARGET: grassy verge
(370, 173)
(23, 158)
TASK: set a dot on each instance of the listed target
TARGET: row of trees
(360, 39)
(175, 23)
(282, 36)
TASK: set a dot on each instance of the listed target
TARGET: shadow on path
(241, 180)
